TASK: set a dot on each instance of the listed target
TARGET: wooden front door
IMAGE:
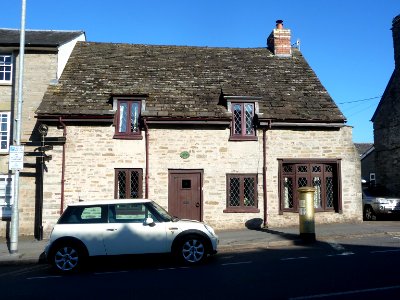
(184, 194)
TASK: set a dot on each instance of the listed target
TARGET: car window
(129, 213)
(83, 215)
(377, 192)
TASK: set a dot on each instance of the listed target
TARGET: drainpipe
(146, 195)
(265, 176)
(63, 165)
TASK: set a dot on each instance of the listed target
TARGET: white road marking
(347, 293)
(385, 251)
(336, 246)
(42, 277)
(341, 254)
(294, 258)
(105, 273)
(237, 263)
(166, 269)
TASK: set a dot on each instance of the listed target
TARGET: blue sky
(348, 43)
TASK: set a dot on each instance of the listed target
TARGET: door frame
(186, 171)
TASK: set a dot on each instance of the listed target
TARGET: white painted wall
(64, 51)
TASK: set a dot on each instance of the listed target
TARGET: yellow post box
(306, 214)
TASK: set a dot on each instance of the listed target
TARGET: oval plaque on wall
(184, 154)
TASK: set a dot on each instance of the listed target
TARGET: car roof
(108, 201)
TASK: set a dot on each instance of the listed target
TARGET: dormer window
(242, 127)
(128, 118)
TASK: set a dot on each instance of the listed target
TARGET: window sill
(128, 137)
(243, 138)
(242, 210)
(6, 83)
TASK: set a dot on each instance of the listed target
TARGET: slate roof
(362, 148)
(187, 82)
(37, 38)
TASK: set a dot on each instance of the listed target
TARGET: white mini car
(125, 226)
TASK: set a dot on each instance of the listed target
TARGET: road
(356, 268)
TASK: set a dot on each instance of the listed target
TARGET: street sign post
(16, 158)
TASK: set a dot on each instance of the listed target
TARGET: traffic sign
(16, 158)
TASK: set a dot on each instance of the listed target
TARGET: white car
(377, 202)
(125, 226)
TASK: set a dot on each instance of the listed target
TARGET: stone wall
(40, 70)
(92, 155)
(386, 137)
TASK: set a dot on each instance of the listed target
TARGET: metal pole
(17, 140)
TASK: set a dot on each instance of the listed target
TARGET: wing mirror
(149, 222)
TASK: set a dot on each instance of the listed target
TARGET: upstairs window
(243, 121)
(5, 68)
(127, 119)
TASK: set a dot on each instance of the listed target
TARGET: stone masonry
(90, 164)
(40, 69)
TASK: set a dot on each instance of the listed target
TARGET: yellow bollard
(306, 214)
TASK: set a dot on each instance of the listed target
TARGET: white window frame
(6, 194)
(3, 64)
(5, 130)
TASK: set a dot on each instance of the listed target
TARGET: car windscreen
(377, 192)
(161, 212)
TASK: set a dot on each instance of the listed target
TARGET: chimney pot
(279, 40)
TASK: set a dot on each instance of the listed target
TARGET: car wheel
(192, 249)
(368, 213)
(67, 257)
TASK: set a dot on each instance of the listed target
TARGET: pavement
(30, 250)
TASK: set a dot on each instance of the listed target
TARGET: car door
(87, 224)
(128, 233)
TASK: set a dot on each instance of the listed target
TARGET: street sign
(45, 148)
(16, 158)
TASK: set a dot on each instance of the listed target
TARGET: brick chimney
(279, 40)
(396, 40)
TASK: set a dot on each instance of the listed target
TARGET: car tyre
(368, 213)
(191, 250)
(67, 257)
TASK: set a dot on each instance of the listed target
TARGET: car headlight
(210, 230)
(382, 201)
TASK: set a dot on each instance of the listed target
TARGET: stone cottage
(222, 135)
(46, 53)
(386, 124)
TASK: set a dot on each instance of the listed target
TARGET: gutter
(146, 195)
(265, 179)
(63, 165)
(265, 196)
(299, 124)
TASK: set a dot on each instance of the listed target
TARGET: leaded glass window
(243, 120)
(320, 175)
(241, 191)
(128, 183)
(128, 117)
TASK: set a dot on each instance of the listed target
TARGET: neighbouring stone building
(46, 53)
(367, 158)
(386, 121)
(223, 135)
